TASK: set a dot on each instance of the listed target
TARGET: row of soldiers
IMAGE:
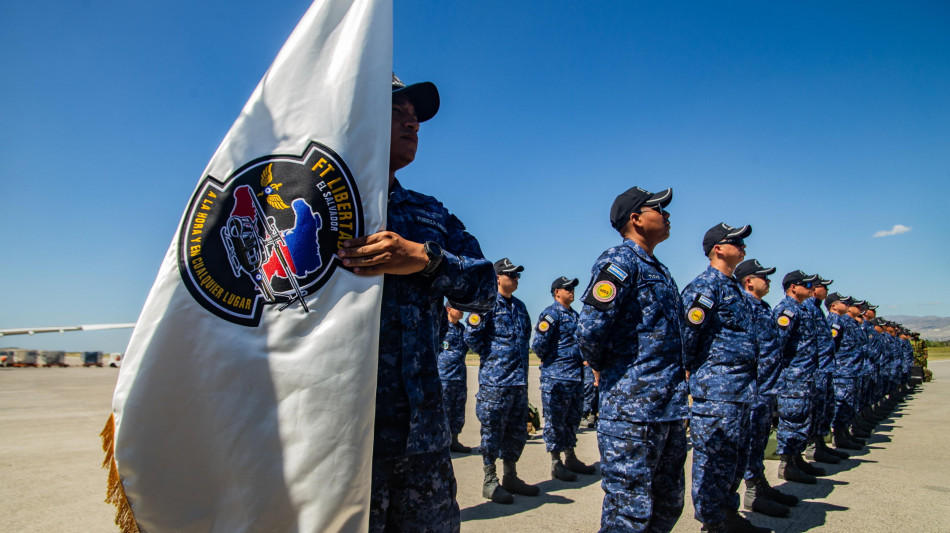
(714, 358)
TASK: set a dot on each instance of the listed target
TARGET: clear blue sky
(818, 123)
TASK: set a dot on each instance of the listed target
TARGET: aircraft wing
(63, 329)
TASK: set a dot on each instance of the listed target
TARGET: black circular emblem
(268, 234)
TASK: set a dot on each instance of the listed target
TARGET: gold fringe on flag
(115, 493)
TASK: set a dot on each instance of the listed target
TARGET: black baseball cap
(424, 97)
(797, 277)
(752, 267)
(631, 200)
(505, 266)
(723, 233)
(822, 281)
(563, 283)
(832, 298)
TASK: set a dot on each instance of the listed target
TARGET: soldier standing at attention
(500, 338)
(453, 374)
(426, 256)
(562, 392)
(630, 331)
(849, 343)
(799, 340)
(760, 497)
(824, 405)
(719, 350)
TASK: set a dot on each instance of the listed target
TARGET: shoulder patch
(543, 326)
(445, 345)
(696, 314)
(789, 313)
(617, 272)
(474, 319)
(835, 328)
(604, 291)
(549, 318)
(783, 320)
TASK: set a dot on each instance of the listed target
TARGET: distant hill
(933, 328)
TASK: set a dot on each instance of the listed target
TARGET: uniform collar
(637, 249)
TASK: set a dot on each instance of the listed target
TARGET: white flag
(246, 398)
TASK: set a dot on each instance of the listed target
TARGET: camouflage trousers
(794, 416)
(720, 435)
(414, 493)
(642, 474)
(846, 401)
(591, 393)
(454, 394)
(760, 425)
(562, 402)
(823, 406)
(503, 412)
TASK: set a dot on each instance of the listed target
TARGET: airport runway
(51, 480)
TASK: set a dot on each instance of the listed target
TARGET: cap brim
(766, 271)
(662, 198)
(510, 270)
(424, 97)
(739, 233)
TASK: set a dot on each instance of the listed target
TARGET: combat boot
(740, 524)
(756, 501)
(572, 463)
(718, 527)
(788, 470)
(814, 452)
(592, 421)
(774, 494)
(492, 490)
(807, 467)
(558, 471)
(842, 440)
(515, 485)
(859, 434)
(457, 446)
(841, 454)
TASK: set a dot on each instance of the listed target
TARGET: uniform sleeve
(477, 332)
(698, 301)
(786, 321)
(545, 335)
(465, 277)
(603, 299)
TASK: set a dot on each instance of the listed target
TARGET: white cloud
(896, 230)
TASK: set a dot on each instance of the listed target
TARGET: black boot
(788, 470)
(858, 434)
(572, 463)
(776, 495)
(843, 441)
(718, 527)
(457, 446)
(558, 471)
(840, 454)
(491, 489)
(807, 467)
(515, 485)
(814, 452)
(592, 421)
(756, 501)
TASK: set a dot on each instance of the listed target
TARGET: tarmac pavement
(51, 477)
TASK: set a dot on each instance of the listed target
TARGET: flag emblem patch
(268, 234)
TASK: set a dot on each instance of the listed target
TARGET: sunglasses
(734, 242)
(655, 209)
(512, 275)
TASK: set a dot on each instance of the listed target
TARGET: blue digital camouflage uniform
(562, 393)
(719, 348)
(413, 486)
(768, 370)
(824, 405)
(452, 373)
(591, 393)
(630, 331)
(500, 338)
(849, 353)
(799, 340)
(873, 346)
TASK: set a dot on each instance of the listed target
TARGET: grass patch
(938, 353)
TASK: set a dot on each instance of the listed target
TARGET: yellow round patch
(783, 321)
(474, 319)
(543, 326)
(604, 291)
(697, 315)
(834, 332)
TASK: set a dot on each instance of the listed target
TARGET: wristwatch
(434, 251)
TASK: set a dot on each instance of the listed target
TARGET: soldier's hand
(384, 252)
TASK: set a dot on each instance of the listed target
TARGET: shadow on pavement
(487, 509)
